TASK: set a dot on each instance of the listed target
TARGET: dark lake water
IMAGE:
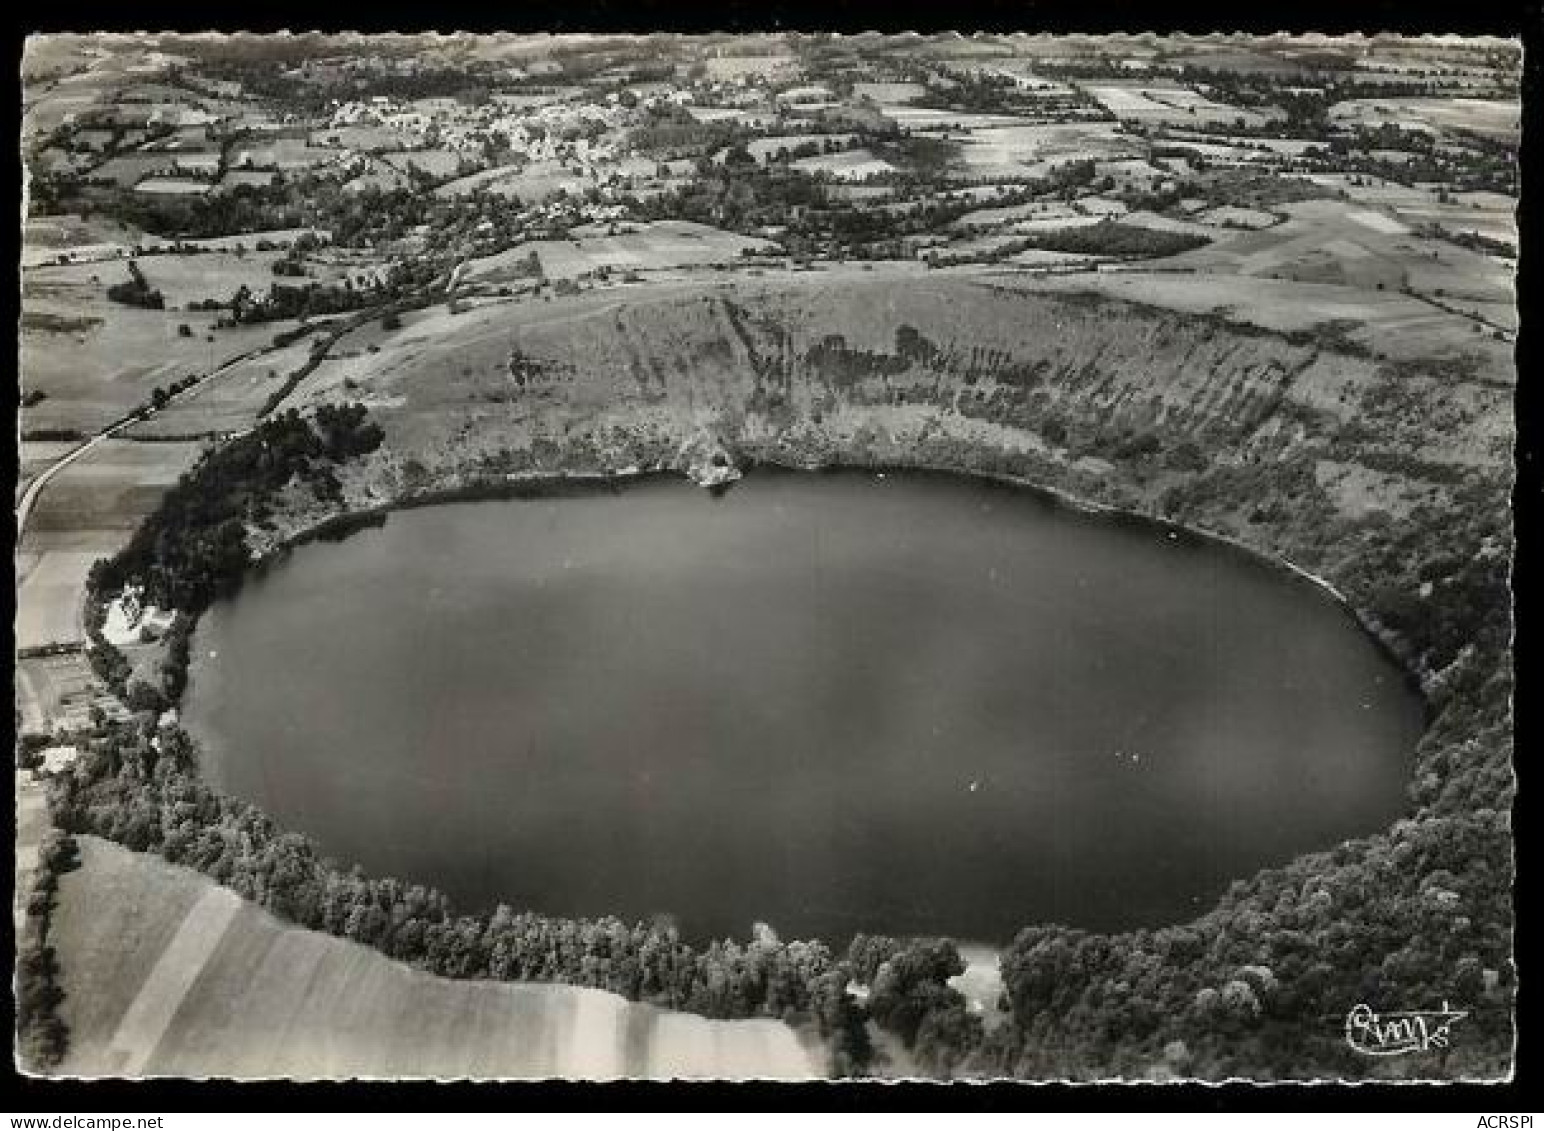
(913, 704)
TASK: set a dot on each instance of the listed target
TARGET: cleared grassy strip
(149, 1017)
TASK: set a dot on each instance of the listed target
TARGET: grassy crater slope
(169, 973)
(1378, 461)
(816, 369)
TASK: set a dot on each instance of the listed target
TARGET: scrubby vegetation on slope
(1111, 237)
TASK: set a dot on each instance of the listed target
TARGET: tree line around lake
(1405, 918)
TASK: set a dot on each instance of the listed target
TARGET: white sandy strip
(145, 1022)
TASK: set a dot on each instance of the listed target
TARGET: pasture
(848, 165)
(1033, 210)
(1488, 214)
(128, 169)
(1399, 327)
(889, 92)
(248, 178)
(96, 360)
(1492, 118)
(1325, 241)
(229, 402)
(1161, 105)
(186, 279)
(531, 182)
(380, 176)
(166, 973)
(110, 488)
(435, 162)
(363, 138)
(732, 68)
(86, 512)
(1023, 150)
(35, 455)
(288, 154)
(763, 147)
(924, 118)
(666, 243)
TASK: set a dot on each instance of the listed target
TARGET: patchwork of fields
(635, 247)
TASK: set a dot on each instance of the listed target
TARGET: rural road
(29, 496)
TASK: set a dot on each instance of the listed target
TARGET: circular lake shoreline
(954, 836)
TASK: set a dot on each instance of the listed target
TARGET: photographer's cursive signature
(1394, 1034)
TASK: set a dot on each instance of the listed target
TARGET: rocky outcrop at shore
(708, 462)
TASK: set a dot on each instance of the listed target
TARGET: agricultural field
(247, 178)
(94, 360)
(436, 162)
(38, 454)
(532, 182)
(127, 169)
(649, 247)
(732, 68)
(1145, 219)
(889, 93)
(1321, 241)
(182, 279)
(763, 147)
(50, 578)
(1397, 326)
(58, 693)
(380, 177)
(1487, 117)
(848, 165)
(1034, 210)
(175, 186)
(284, 154)
(1020, 150)
(229, 403)
(1170, 105)
(88, 509)
(166, 973)
(1230, 216)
